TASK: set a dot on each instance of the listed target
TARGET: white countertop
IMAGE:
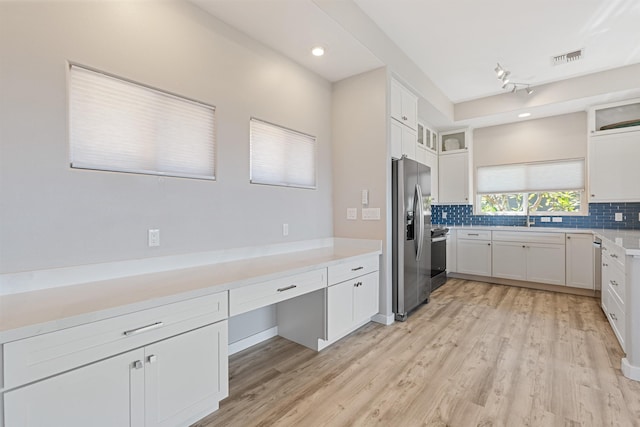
(31, 313)
(629, 240)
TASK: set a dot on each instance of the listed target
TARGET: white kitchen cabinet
(454, 141)
(546, 263)
(453, 179)
(173, 382)
(452, 256)
(404, 105)
(509, 260)
(350, 304)
(616, 117)
(579, 260)
(430, 159)
(473, 256)
(613, 167)
(403, 141)
(427, 138)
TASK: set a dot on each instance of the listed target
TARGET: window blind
(561, 175)
(281, 156)
(121, 126)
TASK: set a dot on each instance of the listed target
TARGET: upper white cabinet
(613, 167)
(579, 258)
(404, 105)
(454, 141)
(617, 117)
(427, 138)
(453, 171)
(403, 141)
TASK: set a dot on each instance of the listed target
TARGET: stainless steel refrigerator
(411, 189)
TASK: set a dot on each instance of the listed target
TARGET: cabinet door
(396, 100)
(545, 263)
(613, 168)
(409, 109)
(453, 179)
(186, 376)
(409, 143)
(579, 260)
(104, 394)
(340, 309)
(474, 257)
(366, 297)
(509, 260)
(431, 160)
(396, 140)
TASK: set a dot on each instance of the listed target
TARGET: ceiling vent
(565, 58)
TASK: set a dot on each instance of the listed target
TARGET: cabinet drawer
(614, 255)
(616, 314)
(353, 268)
(529, 237)
(40, 356)
(474, 234)
(262, 294)
(615, 279)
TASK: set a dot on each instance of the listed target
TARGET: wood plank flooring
(477, 355)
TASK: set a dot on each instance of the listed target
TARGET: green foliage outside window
(516, 204)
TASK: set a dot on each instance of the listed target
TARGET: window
(544, 188)
(281, 156)
(117, 125)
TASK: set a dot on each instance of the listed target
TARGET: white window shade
(562, 175)
(120, 126)
(281, 156)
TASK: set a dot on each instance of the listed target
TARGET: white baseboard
(385, 319)
(630, 371)
(245, 343)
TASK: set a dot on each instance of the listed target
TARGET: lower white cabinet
(545, 263)
(350, 304)
(473, 256)
(173, 382)
(579, 260)
(509, 260)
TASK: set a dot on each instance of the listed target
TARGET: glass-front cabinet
(454, 142)
(617, 117)
(427, 138)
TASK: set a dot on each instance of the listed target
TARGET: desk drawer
(262, 294)
(353, 268)
(44, 355)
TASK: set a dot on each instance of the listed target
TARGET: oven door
(438, 255)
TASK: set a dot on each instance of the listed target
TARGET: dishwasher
(597, 264)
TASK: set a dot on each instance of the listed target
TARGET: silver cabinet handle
(614, 256)
(287, 288)
(568, 237)
(613, 282)
(137, 364)
(613, 316)
(143, 329)
(357, 268)
(152, 358)
(404, 118)
(473, 234)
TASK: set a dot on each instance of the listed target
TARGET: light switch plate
(365, 197)
(154, 237)
(370, 214)
(556, 219)
(285, 229)
(444, 215)
(352, 213)
(618, 216)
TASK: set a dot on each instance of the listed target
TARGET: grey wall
(53, 216)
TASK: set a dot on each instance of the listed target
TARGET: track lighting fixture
(503, 76)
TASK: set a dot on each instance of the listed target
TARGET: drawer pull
(287, 288)
(613, 316)
(143, 329)
(357, 268)
(473, 234)
(604, 264)
(137, 364)
(614, 256)
(152, 358)
(613, 282)
(357, 284)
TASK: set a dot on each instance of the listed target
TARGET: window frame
(584, 211)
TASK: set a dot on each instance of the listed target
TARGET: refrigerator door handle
(420, 220)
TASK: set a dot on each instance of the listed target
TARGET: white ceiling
(456, 43)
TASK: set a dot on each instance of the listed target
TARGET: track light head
(529, 90)
(513, 90)
(499, 70)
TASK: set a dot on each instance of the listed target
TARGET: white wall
(361, 161)
(53, 216)
(550, 138)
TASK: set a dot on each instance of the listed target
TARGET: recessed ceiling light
(317, 51)
(523, 115)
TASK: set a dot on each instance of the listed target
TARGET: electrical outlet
(352, 213)
(444, 214)
(365, 197)
(154, 237)
(556, 219)
(618, 216)
(545, 219)
(285, 229)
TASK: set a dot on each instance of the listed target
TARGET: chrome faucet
(529, 222)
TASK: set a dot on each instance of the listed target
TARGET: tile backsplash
(601, 215)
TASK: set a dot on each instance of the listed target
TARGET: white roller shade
(281, 156)
(121, 126)
(562, 175)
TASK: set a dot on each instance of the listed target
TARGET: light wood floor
(476, 355)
